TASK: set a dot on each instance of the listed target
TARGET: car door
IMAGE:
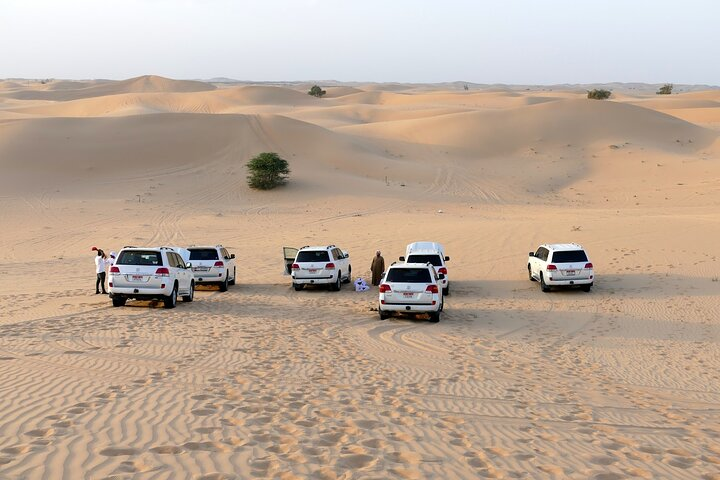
(289, 254)
(535, 262)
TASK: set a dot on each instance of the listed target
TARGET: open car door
(289, 254)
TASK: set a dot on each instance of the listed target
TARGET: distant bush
(267, 171)
(316, 91)
(599, 94)
(665, 89)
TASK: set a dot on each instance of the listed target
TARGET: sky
(481, 41)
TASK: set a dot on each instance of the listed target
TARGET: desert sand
(266, 382)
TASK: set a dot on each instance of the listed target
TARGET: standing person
(111, 260)
(377, 267)
(100, 264)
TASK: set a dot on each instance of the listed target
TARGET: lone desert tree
(665, 89)
(316, 91)
(599, 94)
(267, 171)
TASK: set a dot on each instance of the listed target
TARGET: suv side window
(542, 254)
(338, 253)
(177, 260)
(224, 253)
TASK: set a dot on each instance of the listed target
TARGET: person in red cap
(100, 264)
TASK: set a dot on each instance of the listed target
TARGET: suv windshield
(203, 254)
(435, 260)
(139, 257)
(409, 275)
(313, 256)
(569, 256)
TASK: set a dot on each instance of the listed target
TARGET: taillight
(330, 266)
(432, 289)
(551, 267)
(295, 266)
(588, 265)
(219, 264)
(443, 270)
(162, 272)
(385, 288)
(114, 270)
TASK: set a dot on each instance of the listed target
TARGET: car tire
(232, 282)
(543, 286)
(171, 300)
(224, 284)
(335, 287)
(434, 317)
(442, 306)
(446, 290)
(349, 276)
(532, 279)
(298, 286)
(189, 297)
(384, 315)
(586, 288)
(119, 301)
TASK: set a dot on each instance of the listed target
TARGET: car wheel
(586, 288)
(119, 301)
(384, 315)
(446, 290)
(434, 317)
(335, 287)
(189, 297)
(224, 284)
(442, 306)
(349, 276)
(298, 286)
(532, 279)
(171, 300)
(232, 282)
(543, 286)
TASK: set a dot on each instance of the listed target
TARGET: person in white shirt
(100, 264)
(111, 261)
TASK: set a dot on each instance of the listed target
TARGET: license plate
(569, 272)
(201, 269)
(137, 278)
(405, 294)
(312, 270)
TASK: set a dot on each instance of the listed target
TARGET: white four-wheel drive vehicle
(151, 274)
(433, 252)
(411, 288)
(561, 264)
(213, 265)
(318, 266)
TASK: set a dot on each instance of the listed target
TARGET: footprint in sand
(206, 447)
(16, 450)
(133, 466)
(167, 450)
(217, 476)
(119, 451)
(41, 432)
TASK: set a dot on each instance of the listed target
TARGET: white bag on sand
(360, 285)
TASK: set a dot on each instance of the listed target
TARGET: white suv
(411, 288)
(561, 264)
(151, 274)
(213, 265)
(319, 266)
(433, 252)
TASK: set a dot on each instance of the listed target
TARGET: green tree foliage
(599, 94)
(665, 89)
(316, 91)
(267, 171)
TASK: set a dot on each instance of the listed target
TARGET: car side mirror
(232, 255)
(531, 254)
(188, 265)
(441, 276)
(402, 259)
(447, 259)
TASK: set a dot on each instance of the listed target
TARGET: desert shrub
(599, 94)
(316, 91)
(665, 89)
(267, 171)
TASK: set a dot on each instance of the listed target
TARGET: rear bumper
(313, 280)
(409, 308)
(140, 293)
(209, 277)
(568, 283)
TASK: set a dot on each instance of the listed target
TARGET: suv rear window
(203, 254)
(139, 257)
(313, 256)
(409, 275)
(570, 256)
(435, 260)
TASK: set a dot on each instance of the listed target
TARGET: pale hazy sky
(504, 41)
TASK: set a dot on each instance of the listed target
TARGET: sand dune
(266, 382)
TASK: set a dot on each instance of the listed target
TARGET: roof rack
(130, 246)
(331, 246)
(306, 246)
